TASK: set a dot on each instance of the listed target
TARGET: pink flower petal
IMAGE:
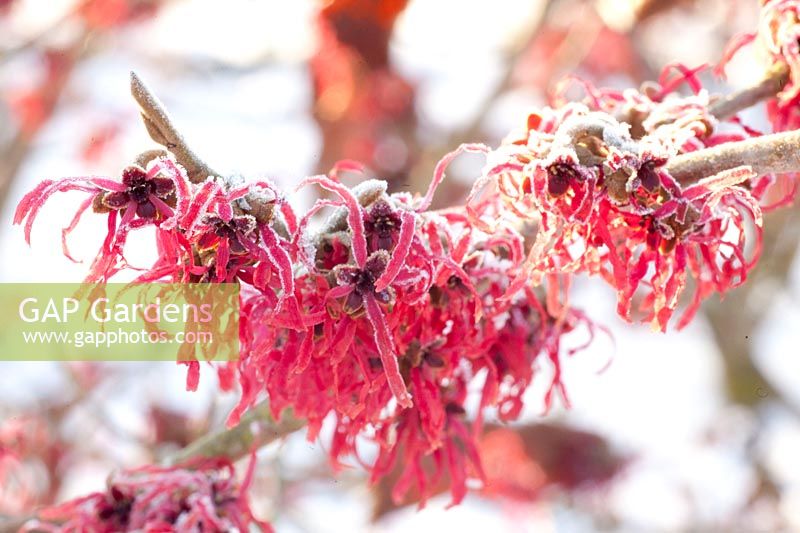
(66, 231)
(385, 345)
(355, 218)
(441, 166)
(400, 252)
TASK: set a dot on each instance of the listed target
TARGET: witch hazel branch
(381, 319)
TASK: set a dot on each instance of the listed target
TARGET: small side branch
(162, 131)
(727, 106)
(776, 153)
(257, 428)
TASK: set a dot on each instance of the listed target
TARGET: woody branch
(775, 153)
(256, 429)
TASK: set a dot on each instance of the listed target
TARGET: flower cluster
(595, 178)
(140, 199)
(402, 309)
(383, 318)
(777, 38)
(779, 34)
(204, 497)
(378, 320)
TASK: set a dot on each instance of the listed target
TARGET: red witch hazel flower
(205, 497)
(401, 309)
(238, 233)
(366, 285)
(605, 202)
(380, 321)
(778, 36)
(142, 193)
(235, 244)
(384, 320)
(456, 453)
(699, 232)
(380, 225)
(143, 197)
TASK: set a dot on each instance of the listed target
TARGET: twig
(769, 154)
(162, 131)
(774, 82)
(257, 428)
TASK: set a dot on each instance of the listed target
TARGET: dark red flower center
(648, 176)
(117, 508)
(140, 193)
(381, 224)
(559, 176)
(362, 280)
(140, 189)
(236, 230)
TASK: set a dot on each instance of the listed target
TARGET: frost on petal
(67, 230)
(28, 208)
(386, 349)
(202, 494)
(281, 260)
(400, 252)
(355, 218)
(441, 167)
